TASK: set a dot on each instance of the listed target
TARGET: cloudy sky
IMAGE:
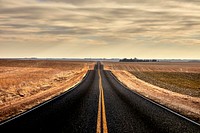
(100, 28)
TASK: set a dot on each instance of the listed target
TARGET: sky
(160, 29)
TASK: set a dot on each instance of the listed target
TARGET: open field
(175, 85)
(188, 67)
(181, 82)
(183, 78)
(25, 83)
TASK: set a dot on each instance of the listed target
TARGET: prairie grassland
(175, 85)
(26, 83)
(181, 82)
(188, 67)
(179, 77)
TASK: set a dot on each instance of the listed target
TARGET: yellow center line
(101, 118)
(99, 114)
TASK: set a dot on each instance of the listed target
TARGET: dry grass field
(155, 66)
(175, 85)
(183, 78)
(181, 82)
(26, 83)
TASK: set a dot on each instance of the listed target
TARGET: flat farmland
(181, 82)
(178, 77)
(173, 84)
(188, 67)
(26, 83)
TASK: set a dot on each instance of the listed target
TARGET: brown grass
(181, 82)
(188, 67)
(181, 75)
(26, 83)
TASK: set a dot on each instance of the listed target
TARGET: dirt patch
(26, 83)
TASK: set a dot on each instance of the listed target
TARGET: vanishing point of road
(100, 104)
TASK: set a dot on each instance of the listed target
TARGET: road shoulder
(183, 104)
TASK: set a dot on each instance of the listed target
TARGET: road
(100, 104)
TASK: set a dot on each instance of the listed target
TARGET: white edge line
(162, 106)
(45, 102)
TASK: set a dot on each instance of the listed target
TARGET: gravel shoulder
(184, 104)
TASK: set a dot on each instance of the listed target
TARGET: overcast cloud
(164, 29)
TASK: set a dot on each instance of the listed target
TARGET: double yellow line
(101, 118)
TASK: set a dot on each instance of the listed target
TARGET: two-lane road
(100, 104)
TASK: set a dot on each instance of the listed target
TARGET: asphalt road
(75, 111)
(101, 96)
(128, 112)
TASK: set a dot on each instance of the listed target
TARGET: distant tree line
(137, 60)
